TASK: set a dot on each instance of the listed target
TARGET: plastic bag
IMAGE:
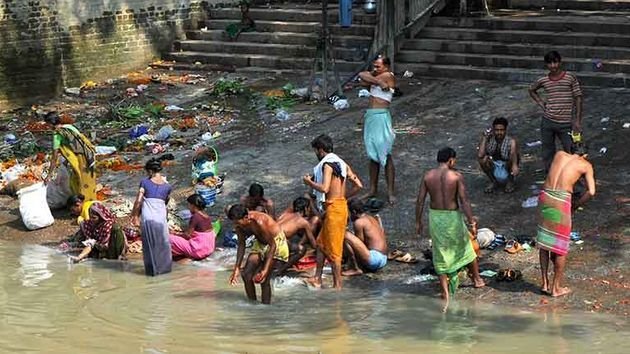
(33, 207)
(58, 190)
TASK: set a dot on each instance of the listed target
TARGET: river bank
(255, 146)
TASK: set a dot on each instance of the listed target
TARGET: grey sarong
(156, 247)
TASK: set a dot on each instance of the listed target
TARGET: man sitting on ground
(256, 201)
(498, 156)
(367, 247)
(298, 230)
(555, 213)
(270, 246)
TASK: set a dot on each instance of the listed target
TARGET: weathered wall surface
(48, 44)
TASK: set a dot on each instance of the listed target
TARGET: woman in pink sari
(197, 241)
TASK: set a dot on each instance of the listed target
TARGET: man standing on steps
(378, 133)
(562, 108)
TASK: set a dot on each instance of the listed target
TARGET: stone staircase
(593, 38)
(285, 39)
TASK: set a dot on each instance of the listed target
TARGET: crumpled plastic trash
(282, 115)
(364, 93)
(408, 74)
(76, 91)
(530, 202)
(138, 131)
(164, 133)
(488, 273)
(301, 92)
(141, 88)
(420, 278)
(207, 137)
(534, 143)
(10, 139)
(105, 150)
(605, 120)
(173, 108)
(603, 150)
(341, 104)
(626, 125)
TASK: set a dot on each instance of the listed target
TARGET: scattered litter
(366, 93)
(534, 143)
(488, 273)
(76, 91)
(173, 108)
(626, 125)
(597, 63)
(485, 237)
(301, 92)
(141, 88)
(131, 92)
(575, 236)
(282, 115)
(526, 247)
(341, 104)
(10, 139)
(603, 150)
(530, 202)
(605, 120)
(207, 137)
(579, 242)
(164, 133)
(408, 74)
(138, 131)
(285, 282)
(105, 150)
(420, 278)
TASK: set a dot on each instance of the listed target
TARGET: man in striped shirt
(562, 107)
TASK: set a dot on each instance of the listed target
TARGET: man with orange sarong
(329, 185)
(554, 228)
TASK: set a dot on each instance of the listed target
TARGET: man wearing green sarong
(452, 248)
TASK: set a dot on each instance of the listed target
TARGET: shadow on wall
(43, 49)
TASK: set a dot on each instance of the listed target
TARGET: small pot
(369, 6)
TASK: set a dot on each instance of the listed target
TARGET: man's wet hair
(553, 57)
(153, 165)
(74, 200)
(356, 206)
(52, 118)
(579, 149)
(197, 200)
(300, 204)
(237, 212)
(500, 121)
(386, 61)
(256, 190)
(446, 154)
(323, 142)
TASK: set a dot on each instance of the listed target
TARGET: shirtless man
(270, 246)
(294, 222)
(378, 134)
(367, 247)
(329, 185)
(555, 203)
(452, 248)
(255, 200)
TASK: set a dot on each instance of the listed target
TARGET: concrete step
(289, 14)
(507, 74)
(307, 39)
(538, 23)
(286, 50)
(580, 65)
(544, 37)
(297, 27)
(255, 60)
(519, 49)
(594, 5)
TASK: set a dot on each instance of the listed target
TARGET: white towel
(318, 173)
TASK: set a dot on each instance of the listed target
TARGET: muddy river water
(50, 306)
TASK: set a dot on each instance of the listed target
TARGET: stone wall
(50, 44)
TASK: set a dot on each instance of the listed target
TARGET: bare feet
(545, 290)
(446, 302)
(479, 283)
(509, 187)
(351, 272)
(490, 188)
(313, 282)
(561, 292)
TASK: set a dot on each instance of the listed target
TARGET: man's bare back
(565, 171)
(442, 185)
(263, 226)
(372, 231)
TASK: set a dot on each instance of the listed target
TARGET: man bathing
(294, 222)
(270, 246)
(367, 247)
(452, 248)
(256, 200)
(329, 185)
(498, 156)
(378, 133)
(555, 204)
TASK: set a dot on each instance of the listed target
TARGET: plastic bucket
(208, 194)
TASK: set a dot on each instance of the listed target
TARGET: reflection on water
(47, 305)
